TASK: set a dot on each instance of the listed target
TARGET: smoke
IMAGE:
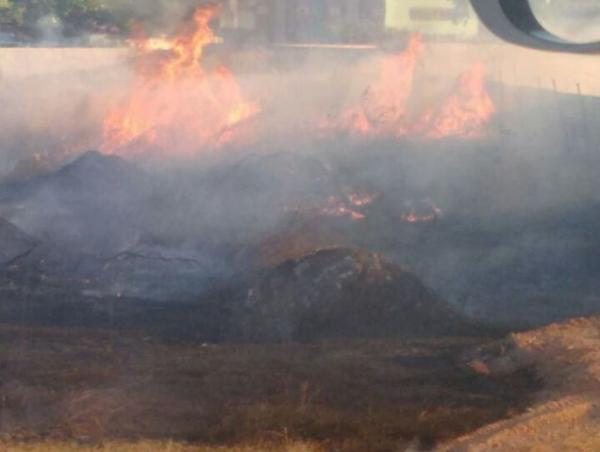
(53, 100)
(157, 16)
(507, 196)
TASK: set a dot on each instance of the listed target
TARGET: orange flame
(413, 218)
(464, 113)
(383, 106)
(384, 112)
(175, 105)
(336, 207)
(361, 199)
(422, 212)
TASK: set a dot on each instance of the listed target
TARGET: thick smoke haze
(504, 198)
(211, 239)
(156, 15)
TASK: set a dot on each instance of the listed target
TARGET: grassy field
(77, 389)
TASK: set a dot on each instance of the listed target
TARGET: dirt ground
(566, 357)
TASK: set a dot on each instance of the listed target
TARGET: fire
(413, 218)
(464, 113)
(422, 212)
(348, 206)
(176, 105)
(338, 208)
(361, 199)
(384, 107)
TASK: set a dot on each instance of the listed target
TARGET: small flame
(413, 218)
(338, 208)
(361, 199)
(422, 212)
(176, 105)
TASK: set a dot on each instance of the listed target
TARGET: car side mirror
(515, 21)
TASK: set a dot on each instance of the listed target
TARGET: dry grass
(566, 416)
(93, 386)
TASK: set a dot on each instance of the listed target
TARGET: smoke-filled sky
(531, 163)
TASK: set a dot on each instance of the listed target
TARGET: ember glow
(422, 212)
(413, 218)
(361, 199)
(383, 110)
(336, 207)
(176, 106)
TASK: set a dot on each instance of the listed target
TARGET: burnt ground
(92, 385)
(96, 370)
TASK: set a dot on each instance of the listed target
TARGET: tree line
(32, 19)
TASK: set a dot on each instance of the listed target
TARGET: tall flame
(383, 110)
(464, 113)
(175, 105)
(383, 106)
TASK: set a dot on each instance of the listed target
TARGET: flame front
(383, 110)
(465, 113)
(175, 105)
(383, 106)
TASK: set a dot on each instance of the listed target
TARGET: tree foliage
(79, 17)
(74, 16)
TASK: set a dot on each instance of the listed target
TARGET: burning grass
(178, 107)
(95, 386)
(174, 101)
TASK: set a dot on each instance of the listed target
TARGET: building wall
(307, 21)
(348, 21)
(453, 18)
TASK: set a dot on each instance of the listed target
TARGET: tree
(77, 16)
(88, 16)
(11, 16)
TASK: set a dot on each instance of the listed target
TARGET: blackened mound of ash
(298, 234)
(252, 196)
(155, 272)
(14, 243)
(91, 204)
(342, 292)
(236, 201)
(285, 174)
